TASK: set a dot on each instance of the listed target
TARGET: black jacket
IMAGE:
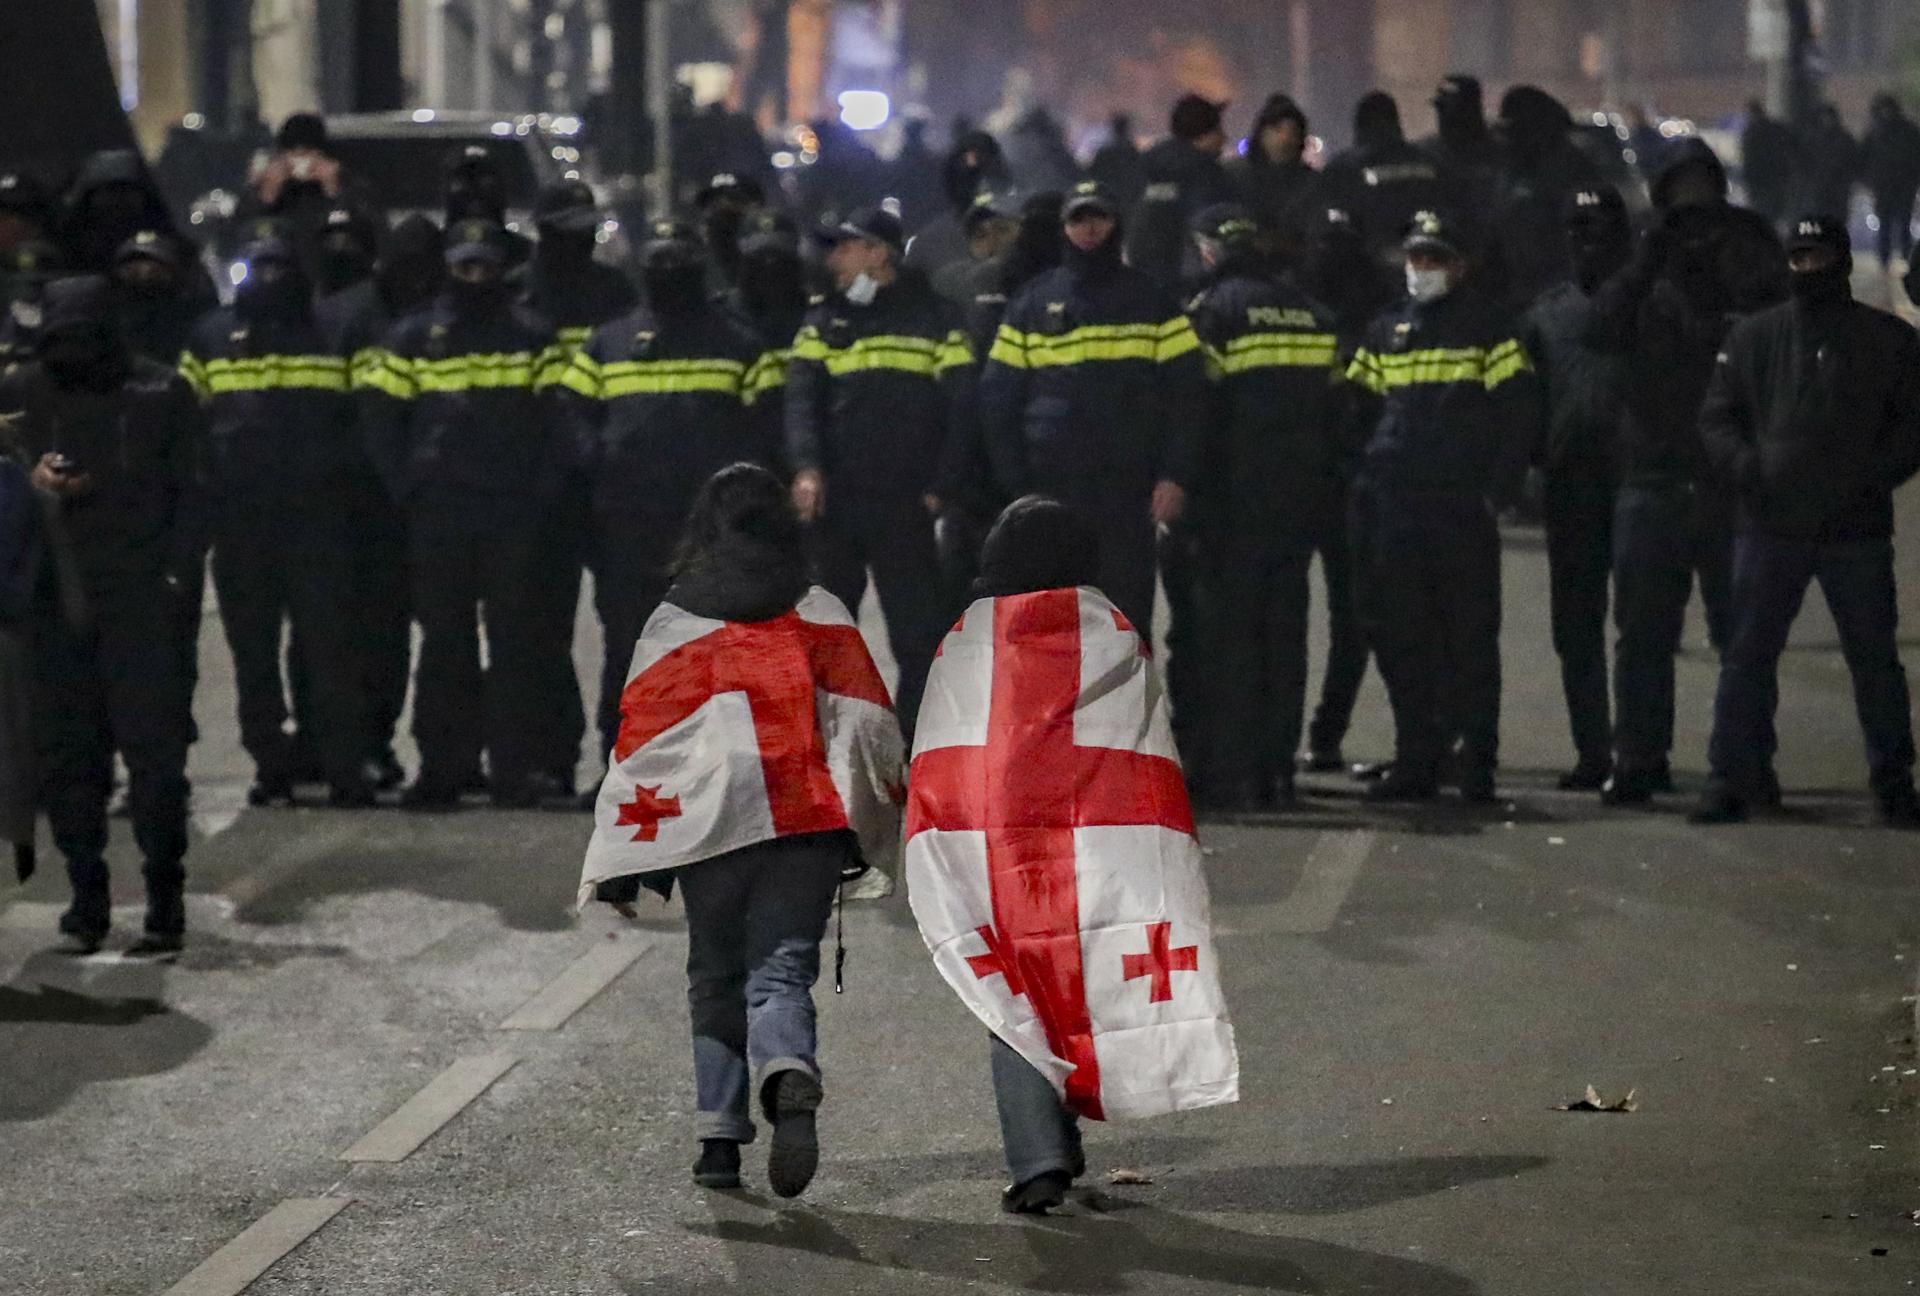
(1095, 388)
(1449, 399)
(576, 298)
(1584, 391)
(1890, 158)
(1383, 185)
(144, 522)
(1274, 453)
(1813, 418)
(1181, 181)
(460, 414)
(1288, 200)
(880, 398)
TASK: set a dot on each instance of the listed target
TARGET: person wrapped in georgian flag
(1051, 858)
(758, 763)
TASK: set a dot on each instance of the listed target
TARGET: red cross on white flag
(1051, 859)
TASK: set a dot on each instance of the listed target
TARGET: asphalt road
(1414, 993)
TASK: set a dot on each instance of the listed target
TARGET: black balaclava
(288, 297)
(1037, 543)
(772, 278)
(720, 226)
(674, 279)
(1460, 108)
(1533, 122)
(412, 267)
(478, 299)
(81, 346)
(1103, 259)
(1600, 234)
(1833, 285)
(1376, 121)
(975, 161)
(1037, 248)
(563, 249)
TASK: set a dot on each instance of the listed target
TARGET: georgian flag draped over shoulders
(735, 733)
(1052, 863)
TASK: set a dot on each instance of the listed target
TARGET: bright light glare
(423, 114)
(865, 109)
(783, 160)
(237, 273)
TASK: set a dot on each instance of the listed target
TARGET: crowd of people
(1229, 361)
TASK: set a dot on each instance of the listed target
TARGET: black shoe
(352, 796)
(1900, 808)
(1403, 785)
(25, 860)
(87, 934)
(1662, 778)
(719, 1164)
(792, 1099)
(1767, 795)
(1587, 776)
(516, 793)
(1630, 788)
(385, 773)
(1037, 1195)
(1719, 805)
(1282, 793)
(430, 796)
(306, 766)
(274, 790)
(1323, 760)
(1477, 787)
(156, 947)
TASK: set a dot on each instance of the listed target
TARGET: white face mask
(863, 289)
(1428, 285)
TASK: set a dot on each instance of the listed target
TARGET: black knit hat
(1195, 115)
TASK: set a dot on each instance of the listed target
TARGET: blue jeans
(1037, 1132)
(1770, 578)
(755, 918)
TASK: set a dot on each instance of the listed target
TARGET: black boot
(1038, 1195)
(791, 1099)
(157, 946)
(1323, 760)
(1477, 787)
(270, 790)
(1900, 807)
(719, 1164)
(1630, 787)
(1590, 775)
(84, 928)
(1719, 804)
(430, 795)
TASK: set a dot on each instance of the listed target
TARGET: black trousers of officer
(630, 557)
(560, 556)
(890, 535)
(1579, 511)
(1189, 573)
(1259, 675)
(472, 570)
(1347, 650)
(117, 686)
(1129, 543)
(1429, 575)
(272, 566)
(1771, 575)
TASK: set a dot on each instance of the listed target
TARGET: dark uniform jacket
(658, 408)
(144, 520)
(576, 300)
(1449, 399)
(1095, 388)
(1584, 390)
(1384, 184)
(1181, 181)
(460, 414)
(1273, 459)
(1813, 417)
(880, 398)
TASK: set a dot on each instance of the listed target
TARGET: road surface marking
(1332, 868)
(218, 806)
(576, 987)
(234, 1267)
(420, 1117)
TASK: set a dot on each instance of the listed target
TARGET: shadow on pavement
(1336, 1189)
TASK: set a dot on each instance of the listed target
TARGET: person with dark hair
(759, 817)
(115, 440)
(1577, 452)
(1541, 172)
(660, 400)
(456, 401)
(1183, 177)
(1767, 149)
(1275, 179)
(1116, 165)
(1383, 180)
(1890, 164)
(1464, 146)
(1813, 417)
(879, 413)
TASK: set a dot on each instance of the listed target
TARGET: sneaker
(1038, 1195)
(1400, 785)
(270, 790)
(792, 1099)
(1719, 805)
(1372, 771)
(719, 1164)
(1587, 776)
(1901, 808)
(157, 947)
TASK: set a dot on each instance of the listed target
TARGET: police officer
(1095, 393)
(476, 189)
(726, 204)
(154, 296)
(114, 439)
(281, 449)
(771, 296)
(570, 289)
(1585, 409)
(1272, 486)
(1813, 418)
(1448, 397)
(661, 399)
(878, 406)
(458, 407)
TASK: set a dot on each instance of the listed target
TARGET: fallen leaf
(1593, 1102)
(1128, 1177)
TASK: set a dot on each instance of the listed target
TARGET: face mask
(342, 268)
(1428, 285)
(863, 289)
(469, 298)
(280, 298)
(87, 358)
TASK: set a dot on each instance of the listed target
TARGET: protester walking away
(1095, 393)
(281, 450)
(115, 440)
(1890, 164)
(457, 402)
(1702, 264)
(1767, 153)
(1059, 886)
(758, 766)
(1382, 181)
(1183, 178)
(1271, 486)
(406, 279)
(916, 179)
(725, 205)
(1542, 172)
(1464, 146)
(24, 564)
(1585, 395)
(1275, 180)
(659, 401)
(972, 164)
(879, 413)
(1814, 418)
(1038, 157)
(1449, 401)
(1116, 165)
(1829, 165)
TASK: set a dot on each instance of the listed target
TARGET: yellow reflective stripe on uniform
(1364, 372)
(954, 352)
(1216, 362)
(195, 373)
(1091, 343)
(1176, 339)
(767, 374)
(1439, 366)
(663, 377)
(574, 338)
(274, 373)
(551, 366)
(1507, 361)
(1009, 348)
(583, 375)
(383, 371)
(898, 354)
(1278, 351)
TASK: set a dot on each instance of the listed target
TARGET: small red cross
(646, 810)
(1159, 962)
(995, 961)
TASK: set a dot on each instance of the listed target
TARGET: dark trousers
(1187, 570)
(1347, 650)
(1770, 579)
(1259, 669)
(560, 553)
(1579, 524)
(1039, 1134)
(119, 687)
(1663, 537)
(1895, 211)
(1429, 574)
(629, 581)
(892, 538)
(469, 576)
(269, 570)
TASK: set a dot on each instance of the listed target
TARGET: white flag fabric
(736, 733)
(1052, 863)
